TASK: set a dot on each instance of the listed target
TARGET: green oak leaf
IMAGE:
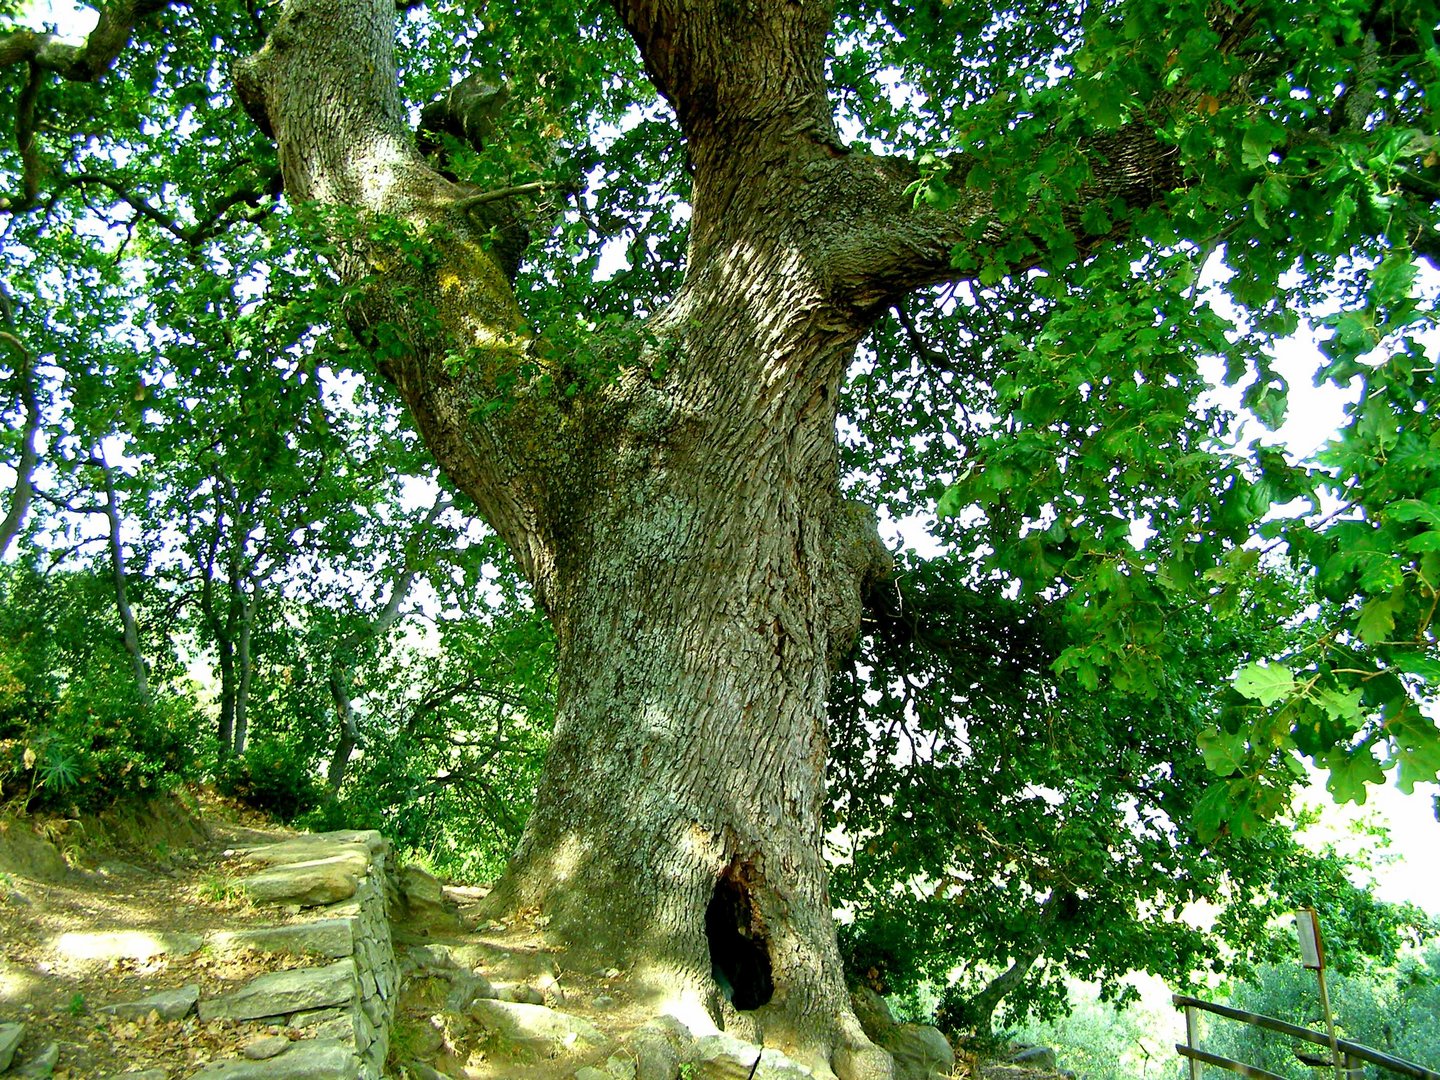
(1265, 683)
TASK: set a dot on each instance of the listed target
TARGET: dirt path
(122, 912)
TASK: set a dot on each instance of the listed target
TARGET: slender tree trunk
(343, 657)
(245, 667)
(349, 736)
(225, 724)
(130, 629)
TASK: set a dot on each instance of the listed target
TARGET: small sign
(1312, 948)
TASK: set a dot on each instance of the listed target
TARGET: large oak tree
(662, 458)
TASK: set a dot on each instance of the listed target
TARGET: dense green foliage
(1002, 818)
(1040, 749)
(72, 733)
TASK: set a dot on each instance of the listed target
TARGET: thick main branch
(433, 299)
(85, 61)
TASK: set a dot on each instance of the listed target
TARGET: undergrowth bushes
(74, 733)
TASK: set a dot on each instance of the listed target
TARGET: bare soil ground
(158, 880)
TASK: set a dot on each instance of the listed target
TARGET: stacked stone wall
(337, 890)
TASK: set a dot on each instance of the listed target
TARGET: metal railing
(1353, 1056)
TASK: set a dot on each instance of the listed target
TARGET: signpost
(1312, 956)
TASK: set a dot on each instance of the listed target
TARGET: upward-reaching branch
(87, 60)
(436, 301)
(898, 244)
(735, 70)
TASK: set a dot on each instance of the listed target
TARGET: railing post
(1192, 1039)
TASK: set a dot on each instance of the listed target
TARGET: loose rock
(265, 1047)
(10, 1036)
(169, 1004)
(724, 1057)
(537, 1024)
(1036, 1057)
(40, 1066)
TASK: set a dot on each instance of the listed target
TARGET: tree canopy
(691, 271)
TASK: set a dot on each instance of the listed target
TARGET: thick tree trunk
(685, 532)
(678, 823)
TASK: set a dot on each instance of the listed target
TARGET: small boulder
(265, 1047)
(38, 1067)
(519, 992)
(655, 1054)
(10, 1036)
(724, 1057)
(422, 893)
(1035, 1057)
(920, 1052)
(533, 1024)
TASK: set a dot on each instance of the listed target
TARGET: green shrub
(272, 777)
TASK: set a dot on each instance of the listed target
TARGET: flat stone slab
(170, 1004)
(282, 992)
(265, 1048)
(123, 944)
(303, 1061)
(320, 937)
(317, 881)
(148, 1074)
(314, 846)
(10, 1036)
(535, 1023)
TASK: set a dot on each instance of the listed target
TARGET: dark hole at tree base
(739, 950)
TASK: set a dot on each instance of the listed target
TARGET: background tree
(1392, 1006)
(1006, 830)
(658, 450)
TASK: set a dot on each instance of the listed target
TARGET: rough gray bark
(685, 531)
